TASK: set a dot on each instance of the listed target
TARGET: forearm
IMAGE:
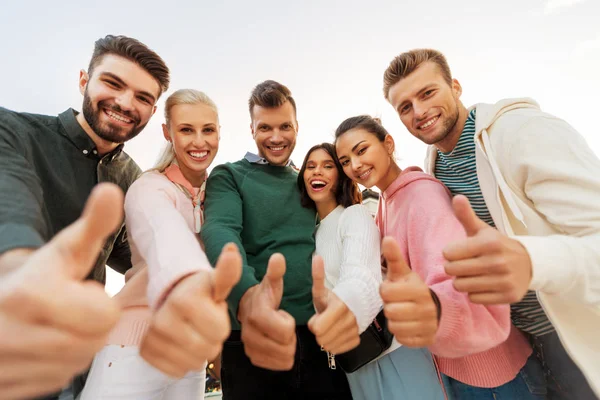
(565, 265)
(360, 293)
(465, 327)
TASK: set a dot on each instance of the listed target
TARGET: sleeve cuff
(17, 236)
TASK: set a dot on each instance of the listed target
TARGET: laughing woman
(348, 241)
(163, 211)
(481, 355)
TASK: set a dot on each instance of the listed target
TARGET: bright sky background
(331, 54)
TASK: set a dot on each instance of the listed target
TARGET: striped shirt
(457, 170)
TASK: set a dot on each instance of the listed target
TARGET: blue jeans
(564, 379)
(529, 384)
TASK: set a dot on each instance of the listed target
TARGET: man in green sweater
(255, 204)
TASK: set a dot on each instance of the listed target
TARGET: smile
(276, 149)
(198, 155)
(318, 185)
(117, 117)
(430, 122)
(365, 174)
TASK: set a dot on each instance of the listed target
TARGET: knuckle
(180, 304)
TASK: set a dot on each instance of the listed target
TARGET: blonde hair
(181, 96)
(405, 64)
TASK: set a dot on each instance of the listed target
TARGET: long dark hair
(346, 191)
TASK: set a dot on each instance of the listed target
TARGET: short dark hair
(270, 94)
(366, 122)
(135, 51)
(406, 63)
(347, 192)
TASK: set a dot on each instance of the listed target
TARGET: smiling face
(274, 130)
(194, 132)
(365, 159)
(119, 99)
(321, 177)
(429, 107)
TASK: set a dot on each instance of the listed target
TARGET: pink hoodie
(475, 344)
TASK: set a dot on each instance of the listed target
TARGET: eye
(329, 166)
(144, 100)
(112, 84)
(310, 166)
(209, 130)
(361, 151)
(286, 127)
(405, 109)
(344, 163)
(263, 128)
(186, 130)
(428, 93)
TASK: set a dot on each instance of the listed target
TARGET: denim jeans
(564, 379)
(309, 378)
(529, 384)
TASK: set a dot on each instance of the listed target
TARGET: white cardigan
(541, 183)
(348, 241)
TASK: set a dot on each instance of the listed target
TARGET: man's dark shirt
(48, 167)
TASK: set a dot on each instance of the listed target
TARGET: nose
(125, 100)
(420, 110)
(199, 139)
(356, 164)
(276, 138)
(317, 170)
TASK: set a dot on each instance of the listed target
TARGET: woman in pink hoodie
(475, 347)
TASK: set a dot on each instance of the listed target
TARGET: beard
(107, 131)
(448, 125)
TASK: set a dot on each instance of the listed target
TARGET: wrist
(438, 304)
(13, 259)
(245, 301)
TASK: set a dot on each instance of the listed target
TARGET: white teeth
(429, 123)
(364, 174)
(316, 182)
(198, 154)
(276, 148)
(117, 117)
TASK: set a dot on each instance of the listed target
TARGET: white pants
(120, 373)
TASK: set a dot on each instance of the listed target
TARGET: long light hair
(182, 96)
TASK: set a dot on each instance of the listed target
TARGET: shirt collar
(80, 138)
(256, 159)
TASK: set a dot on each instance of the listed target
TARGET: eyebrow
(358, 144)
(424, 89)
(122, 82)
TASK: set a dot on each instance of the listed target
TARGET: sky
(330, 53)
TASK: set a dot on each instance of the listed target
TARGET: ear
(83, 81)
(166, 133)
(153, 110)
(389, 144)
(252, 128)
(297, 127)
(456, 88)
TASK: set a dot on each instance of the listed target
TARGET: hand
(334, 325)
(51, 323)
(408, 303)
(192, 323)
(268, 334)
(489, 266)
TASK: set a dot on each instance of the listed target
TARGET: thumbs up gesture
(409, 306)
(268, 334)
(489, 266)
(192, 323)
(51, 322)
(334, 326)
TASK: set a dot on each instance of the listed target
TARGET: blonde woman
(164, 216)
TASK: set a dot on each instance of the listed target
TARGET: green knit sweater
(258, 208)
